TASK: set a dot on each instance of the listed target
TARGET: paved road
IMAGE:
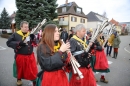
(119, 75)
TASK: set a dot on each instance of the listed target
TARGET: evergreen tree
(5, 20)
(50, 10)
(0, 23)
(34, 11)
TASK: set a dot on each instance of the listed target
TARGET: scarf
(56, 47)
(21, 34)
(101, 41)
(83, 42)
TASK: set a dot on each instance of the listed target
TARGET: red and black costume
(24, 66)
(99, 61)
(52, 73)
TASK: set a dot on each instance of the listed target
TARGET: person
(116, 43)
(64, 35)
(88, 36)
(78, 43)
(39, 35)
(91, 30)
(24, 66)
(51, 54)
(70, 34)
(109, 45)
(99, 60)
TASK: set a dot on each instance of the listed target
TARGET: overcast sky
(117, 9)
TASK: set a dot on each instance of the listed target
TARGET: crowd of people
(53, 58)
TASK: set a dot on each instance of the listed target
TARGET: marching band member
(99, 60)
(24, 66)
(51, 54)
(78, 43)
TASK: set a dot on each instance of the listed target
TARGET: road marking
(126, 49)
(110, 62)
(98, 85)
(97, 72)
(2, 48)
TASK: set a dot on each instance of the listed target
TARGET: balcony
(64, 23)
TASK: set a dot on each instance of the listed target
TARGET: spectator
(109, 45)
(64, 35)
(116, 43)
(70, 34)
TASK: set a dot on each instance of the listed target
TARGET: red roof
(114, 22)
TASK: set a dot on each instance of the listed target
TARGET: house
(94, 19)
(126, 25)
(70, 15)
(117, 25)
(13, 25)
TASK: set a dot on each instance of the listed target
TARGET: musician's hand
(32, 36)
(102, 47)
(89, 55)
(65, 47)
(73, 58)
(90, 43)
(18, 47)
(22, 43)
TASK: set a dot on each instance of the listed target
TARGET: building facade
(70, 15)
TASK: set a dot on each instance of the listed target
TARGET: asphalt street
(119, 68)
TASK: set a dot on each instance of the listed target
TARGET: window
(64, 9)
(82, 20)
(74, 19)
(72, 28)
(61, 19)
(78, 10)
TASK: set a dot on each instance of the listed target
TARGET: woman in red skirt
(99, 60)
(51, 54)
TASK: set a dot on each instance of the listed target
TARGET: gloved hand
(32, 36)
(22, 43)
(86, 59)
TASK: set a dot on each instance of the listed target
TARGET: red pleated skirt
(101, 60)
(26, 67)
(55, 78)
(88, 79)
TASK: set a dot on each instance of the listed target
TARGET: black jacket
(50, 62)
(82, 59)
(13, 42)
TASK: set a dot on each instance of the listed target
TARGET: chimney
(66, 2)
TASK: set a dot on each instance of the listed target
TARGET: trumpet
(38, 27)
(109, 33)
(97, 32)
(75, 64)
(35, 30)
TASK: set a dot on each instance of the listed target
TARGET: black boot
(114, 55)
